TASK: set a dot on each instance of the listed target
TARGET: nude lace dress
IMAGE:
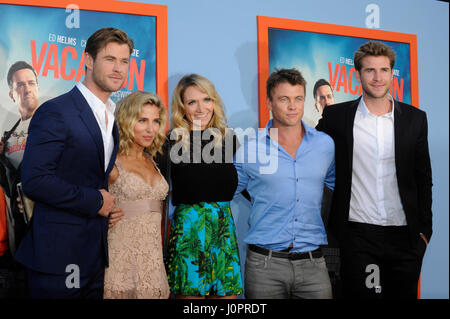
(136, 269)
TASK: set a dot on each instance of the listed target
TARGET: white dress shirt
(100, 109)
(375, 198)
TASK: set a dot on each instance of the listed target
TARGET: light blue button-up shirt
(286, 193)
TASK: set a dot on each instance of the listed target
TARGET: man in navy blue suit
(71, 149)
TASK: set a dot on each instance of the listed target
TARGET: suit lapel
(115, 132)
(399, 131)
(349, 120)
(88, 118)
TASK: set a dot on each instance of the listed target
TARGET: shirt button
(296, 220)
(297, 179)
(297, 200)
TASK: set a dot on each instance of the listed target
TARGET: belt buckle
(291, 255)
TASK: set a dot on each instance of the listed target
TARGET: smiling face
(147, 126)
(25, 92)
(375, 76)
(199, 107)
(287, 104)
(109, 70)
(324, 97)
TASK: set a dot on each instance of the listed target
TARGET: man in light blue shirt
(284, 168)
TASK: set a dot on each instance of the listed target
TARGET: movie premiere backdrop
(52, 35)
(320, 50)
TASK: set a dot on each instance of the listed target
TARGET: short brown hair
(373, 48)
(19, 65)
(319, 83)
(292, 76)
(100, 39)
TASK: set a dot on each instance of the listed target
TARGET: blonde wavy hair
(127, 114)
(178, 120)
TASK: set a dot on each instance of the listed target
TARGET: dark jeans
(13, 278)
(380, 262)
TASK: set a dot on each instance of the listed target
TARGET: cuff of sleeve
(101, 202)
(93, 202)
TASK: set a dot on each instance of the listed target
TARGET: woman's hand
(115, 216)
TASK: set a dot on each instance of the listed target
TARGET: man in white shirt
(381, 208)
(71, 149)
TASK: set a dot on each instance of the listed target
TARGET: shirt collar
(268, 126)
(362, 107)
(93, 101)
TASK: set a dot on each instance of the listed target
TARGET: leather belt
(288, 255)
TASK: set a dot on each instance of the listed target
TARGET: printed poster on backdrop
(52, 39)
(321, 51)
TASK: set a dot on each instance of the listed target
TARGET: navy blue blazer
(62, 171)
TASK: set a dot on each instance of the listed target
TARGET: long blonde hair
(127, 114)
(178, 117)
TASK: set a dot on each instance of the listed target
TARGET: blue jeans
(268, 277)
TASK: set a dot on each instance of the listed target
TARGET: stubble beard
(29, 107)
(286, 122)
(103, 85)
(372, 95)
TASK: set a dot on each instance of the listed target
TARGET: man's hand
(108, 203)
(424, 238)
(115, 216)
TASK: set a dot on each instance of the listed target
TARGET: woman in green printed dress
(203, 250)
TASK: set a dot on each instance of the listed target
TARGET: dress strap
(154, 164)
(157, 168)
(119, 165)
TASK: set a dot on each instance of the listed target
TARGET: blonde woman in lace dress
(136, 268)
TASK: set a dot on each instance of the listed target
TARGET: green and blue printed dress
(203, 250)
